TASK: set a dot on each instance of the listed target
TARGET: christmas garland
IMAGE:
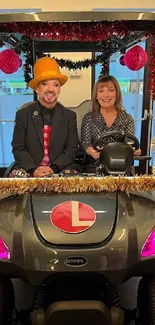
(107, 49)
(77, 185)
(103, 32)
(152, 70)
(68, 31)
(99, 32)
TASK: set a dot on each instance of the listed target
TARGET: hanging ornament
(10, 62)
(20, 63)
(121, 60)
(135, 58)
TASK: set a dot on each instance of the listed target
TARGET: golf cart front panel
(111, 246)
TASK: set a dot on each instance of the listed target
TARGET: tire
(7, 302)
(146, 301)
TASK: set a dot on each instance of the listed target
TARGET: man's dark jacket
(27, 143)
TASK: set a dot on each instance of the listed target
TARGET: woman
(107, 114)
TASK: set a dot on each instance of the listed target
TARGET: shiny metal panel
(74, 16)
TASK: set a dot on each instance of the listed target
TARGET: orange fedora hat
(46, 68)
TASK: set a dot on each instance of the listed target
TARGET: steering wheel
(123, 134)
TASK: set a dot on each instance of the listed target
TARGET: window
(13, 94)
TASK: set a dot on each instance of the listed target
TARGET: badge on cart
(73, 217)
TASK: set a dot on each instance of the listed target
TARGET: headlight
(148, 249)
(4, 250)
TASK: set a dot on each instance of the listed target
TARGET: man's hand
(42, 171)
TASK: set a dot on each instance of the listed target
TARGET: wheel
(7, 302)
(146, 301)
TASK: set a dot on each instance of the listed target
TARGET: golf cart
(75, 247)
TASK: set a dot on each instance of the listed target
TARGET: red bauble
(135, 58)
(21, 63)
(121, 60)
(9, 61)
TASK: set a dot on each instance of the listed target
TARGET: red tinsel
(82, 31)
(152, 71)
(9, 61)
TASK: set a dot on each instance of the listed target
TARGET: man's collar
(44, 109)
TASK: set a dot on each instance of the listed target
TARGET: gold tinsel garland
(153, 170)
(153, 151)
(76, 184)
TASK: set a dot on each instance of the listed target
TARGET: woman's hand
(137, 152)
(92, 152)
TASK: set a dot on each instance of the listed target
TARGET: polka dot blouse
(94, 126)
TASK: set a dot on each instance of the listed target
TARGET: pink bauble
(9, 61)
(21, 63)
(121, 60)
(135, 58)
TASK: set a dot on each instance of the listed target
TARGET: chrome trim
(74, 16)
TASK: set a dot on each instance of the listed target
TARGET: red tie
(46, 135)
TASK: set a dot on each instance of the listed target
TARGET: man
(45, 139)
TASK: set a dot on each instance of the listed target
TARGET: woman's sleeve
(130, 125)
(86, 131)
